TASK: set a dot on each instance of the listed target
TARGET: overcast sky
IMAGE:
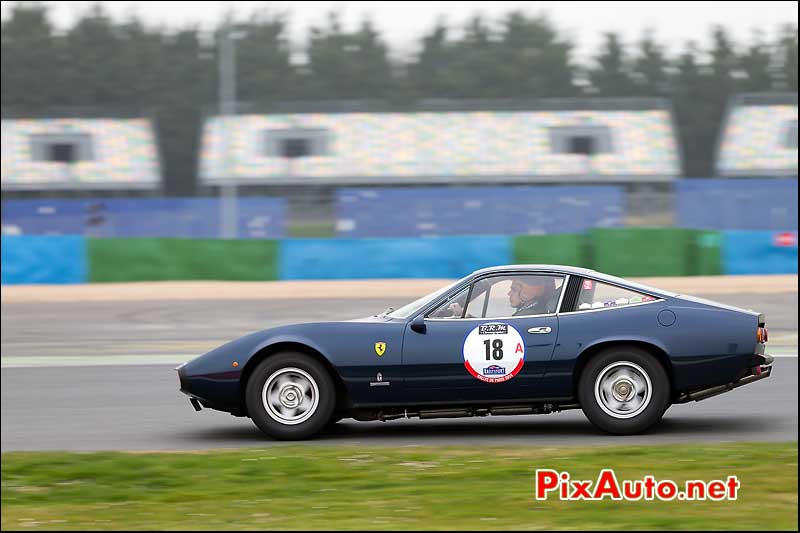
(402, 23)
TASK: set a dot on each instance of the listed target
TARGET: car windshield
(409, 309)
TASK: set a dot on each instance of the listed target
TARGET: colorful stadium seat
(109, 153)
(759, 137)
(431, 147)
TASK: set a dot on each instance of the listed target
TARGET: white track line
(112, 360)
(131, 360)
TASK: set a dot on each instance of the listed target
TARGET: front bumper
(203, 391)
(196, 401)
(761, 370)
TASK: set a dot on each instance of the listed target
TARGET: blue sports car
(506, 340)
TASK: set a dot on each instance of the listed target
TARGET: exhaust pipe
(514, 410)
(464, 412)
(721, 389)
(445, 413)
(384, 417)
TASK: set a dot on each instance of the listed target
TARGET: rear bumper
(761, 370)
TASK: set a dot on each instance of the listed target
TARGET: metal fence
(318, 211)
(256, 218)
(438, 211)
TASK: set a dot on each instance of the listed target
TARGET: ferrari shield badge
(380, 348)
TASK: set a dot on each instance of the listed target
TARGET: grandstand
(79, 153)
(446, 142)
(759, 137)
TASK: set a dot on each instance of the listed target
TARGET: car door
(491, 350)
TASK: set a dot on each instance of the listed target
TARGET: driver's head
(527, 289)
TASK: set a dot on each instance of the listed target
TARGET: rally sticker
(494, 353)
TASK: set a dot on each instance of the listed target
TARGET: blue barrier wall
(258, 218)
(446, 257)
(44, 260)
(63, 259)
(759, 252)
(737, 204)
(437, 211)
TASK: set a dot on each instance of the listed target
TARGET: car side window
(596, 295)
(453, 307)
(521, 295)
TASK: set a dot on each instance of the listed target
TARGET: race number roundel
(494, 352)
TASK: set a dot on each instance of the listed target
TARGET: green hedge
(155, 259)
(655, 251)
(641, 251)
(628, 251)
(618, 251)
(562, 249)
(706, 253)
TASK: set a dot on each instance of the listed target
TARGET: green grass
(312, 487)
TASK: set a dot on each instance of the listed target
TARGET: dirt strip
(378, 288)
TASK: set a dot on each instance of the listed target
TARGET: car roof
(579, 271)
(550, 268)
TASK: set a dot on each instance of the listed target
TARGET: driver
(531, 295)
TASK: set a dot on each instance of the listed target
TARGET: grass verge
(362, 488)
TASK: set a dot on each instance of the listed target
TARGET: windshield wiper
(388, 310)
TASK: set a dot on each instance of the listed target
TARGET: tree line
(102, 64)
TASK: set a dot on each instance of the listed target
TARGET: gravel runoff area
(343, 289)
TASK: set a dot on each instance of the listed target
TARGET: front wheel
(290, 396)
(624, 390)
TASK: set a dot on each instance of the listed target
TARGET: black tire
(290, 365)
(604, 409)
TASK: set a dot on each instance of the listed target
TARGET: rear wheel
(290, 396)
(624, 390)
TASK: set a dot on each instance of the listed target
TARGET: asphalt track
(80, 376)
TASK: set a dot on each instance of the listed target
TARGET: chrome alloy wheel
(623, 389)
(290, 396)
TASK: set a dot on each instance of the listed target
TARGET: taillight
(762, 335)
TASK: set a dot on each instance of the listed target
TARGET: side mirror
(418, 324)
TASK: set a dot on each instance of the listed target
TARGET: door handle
(545, 329)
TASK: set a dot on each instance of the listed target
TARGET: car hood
(241, 349)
